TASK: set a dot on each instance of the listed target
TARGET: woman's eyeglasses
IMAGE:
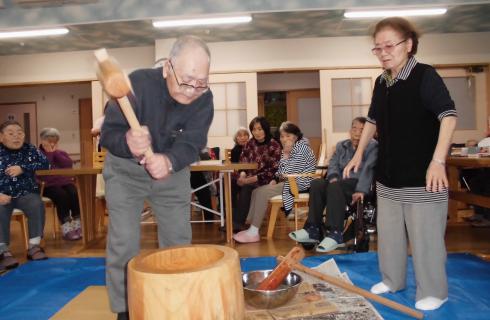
(388, 48)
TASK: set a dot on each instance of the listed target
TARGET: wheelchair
(359, 225)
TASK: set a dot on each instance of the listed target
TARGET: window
(351, 98)
(462, 90)
(230, 108)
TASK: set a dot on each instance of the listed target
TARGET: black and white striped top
(301, 160)
(409, 194)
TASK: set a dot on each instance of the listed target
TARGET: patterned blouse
(30, 159)
(266, 155)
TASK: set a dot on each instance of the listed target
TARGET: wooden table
(85, 182)
(454, 165)
(225, 169)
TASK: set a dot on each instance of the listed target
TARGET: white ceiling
(127, 23)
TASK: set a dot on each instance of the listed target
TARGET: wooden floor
(461, 238)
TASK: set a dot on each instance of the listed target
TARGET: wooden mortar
(186, 282)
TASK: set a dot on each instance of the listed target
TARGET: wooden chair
(300, 199)
(19, 216)
(227, 155)
(98, 159)
(48, 204)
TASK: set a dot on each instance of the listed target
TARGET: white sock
(380, 288)
(34, 242)
(253, 230)
(429, 303)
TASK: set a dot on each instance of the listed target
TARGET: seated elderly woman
(266, 152)
(19, 190)
(296, 157)
(61, 189)
(241, 138)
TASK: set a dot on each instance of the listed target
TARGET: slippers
(302, 236)
(245, 237)
(328, 244)
(36, 253)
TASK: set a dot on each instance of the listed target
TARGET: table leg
(228, 207)
(453, 178)
(86, 198)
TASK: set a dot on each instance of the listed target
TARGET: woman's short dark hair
(402, 26)
(289, 127)
(265, 126)
(9, 123)
(360, 120)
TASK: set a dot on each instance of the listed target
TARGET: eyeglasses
(14, 134)
(388, 48)
(187, 86)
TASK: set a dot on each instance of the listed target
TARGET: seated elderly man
(19, 189)
(335, 193)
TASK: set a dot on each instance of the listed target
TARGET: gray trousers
(260, 201)
(33, 208)
(425, 224)
(127, 186)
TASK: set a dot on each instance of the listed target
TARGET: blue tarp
(37, 290)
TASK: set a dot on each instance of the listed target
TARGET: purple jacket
(57, 160)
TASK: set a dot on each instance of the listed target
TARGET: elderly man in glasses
(175, 107)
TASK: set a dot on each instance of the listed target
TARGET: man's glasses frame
(388, 48)
(187, 86)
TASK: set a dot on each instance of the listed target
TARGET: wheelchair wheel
(362, 243)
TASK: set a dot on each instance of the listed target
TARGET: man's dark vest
(407, 130)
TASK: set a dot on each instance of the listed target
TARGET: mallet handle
(128, 112)
(349, 287)
(117, 85)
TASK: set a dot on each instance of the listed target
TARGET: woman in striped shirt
(413, 113)
(296, 157)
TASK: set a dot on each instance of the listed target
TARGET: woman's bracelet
(441, 162)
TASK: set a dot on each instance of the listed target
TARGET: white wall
(288, 81)
(67, 66)
(57, 106)
(258, 55)
(246, 56)
(315, 53)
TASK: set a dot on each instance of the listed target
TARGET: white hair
(185, 42)
(49, 133)
(241, 129)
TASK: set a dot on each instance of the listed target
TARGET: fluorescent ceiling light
(33, 33)
(394, 13)
(201, 21)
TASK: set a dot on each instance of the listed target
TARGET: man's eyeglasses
(388, 48)
(187, 86)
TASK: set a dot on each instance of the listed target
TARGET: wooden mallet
(117, 85)
(349, 287)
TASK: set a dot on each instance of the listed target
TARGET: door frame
(32, 118)
(292, 97)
